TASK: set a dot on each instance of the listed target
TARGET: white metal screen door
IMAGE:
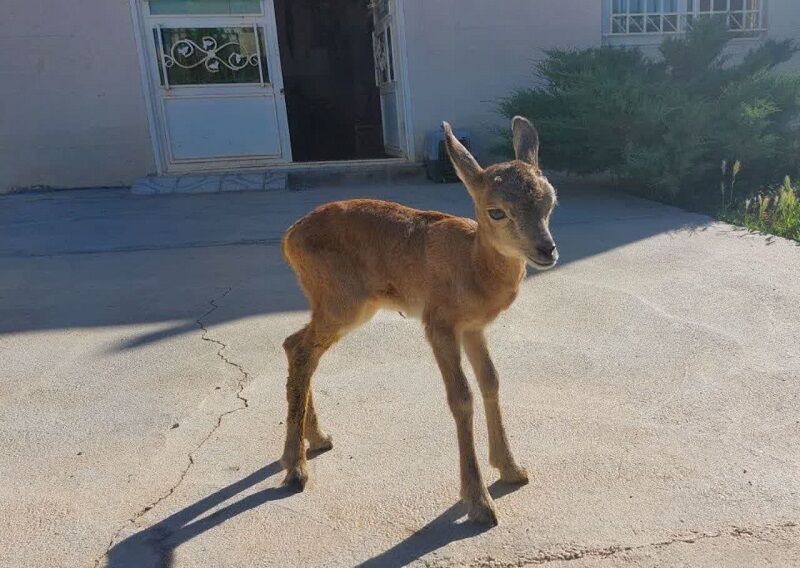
(387, 77)
(217, 80)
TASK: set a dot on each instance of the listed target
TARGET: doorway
(332, 98)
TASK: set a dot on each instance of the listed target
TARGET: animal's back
(378, 245)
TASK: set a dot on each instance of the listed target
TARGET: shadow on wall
(154, 547)
(113, 259)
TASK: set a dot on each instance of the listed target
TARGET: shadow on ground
(154, 546)
(106, 258)
(444, 529)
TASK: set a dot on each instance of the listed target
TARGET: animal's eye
(497, 214)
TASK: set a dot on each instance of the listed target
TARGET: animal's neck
(496, 270)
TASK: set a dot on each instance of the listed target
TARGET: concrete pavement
(651, 385)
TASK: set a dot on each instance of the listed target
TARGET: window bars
(642, 17)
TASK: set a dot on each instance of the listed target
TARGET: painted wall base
(211, 183)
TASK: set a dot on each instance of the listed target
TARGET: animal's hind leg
(312, 432)
(303, 350)
(318, 440)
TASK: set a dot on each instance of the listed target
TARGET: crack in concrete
(220, 353)
(568, 553)
(240, 384)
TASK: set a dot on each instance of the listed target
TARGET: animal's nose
(546, 250)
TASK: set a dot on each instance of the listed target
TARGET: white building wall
(72, 110)
(783, 21)
(463, 55)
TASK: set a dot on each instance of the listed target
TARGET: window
(739, 15)
(172, 7)
(644, 16)
(641, 17)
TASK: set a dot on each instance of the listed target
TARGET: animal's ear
(526, 141)
(467, 168)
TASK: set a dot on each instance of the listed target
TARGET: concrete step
(294, 177)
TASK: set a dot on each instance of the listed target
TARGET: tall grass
(776, 212)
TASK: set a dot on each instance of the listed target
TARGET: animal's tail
(288, 240)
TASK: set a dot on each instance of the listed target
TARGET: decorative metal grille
(381, 8)
(384, 62)
(201, 56)
(186, 54)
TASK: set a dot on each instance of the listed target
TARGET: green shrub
(664, 125)
(776, 212)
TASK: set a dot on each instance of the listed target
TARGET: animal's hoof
(296, 478)
(483, 513)
(323, 444)
(515, 474)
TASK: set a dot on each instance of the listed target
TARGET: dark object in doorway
(328, 69)
(437, 165)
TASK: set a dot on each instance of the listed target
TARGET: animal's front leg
(447, 350)
(499, 453)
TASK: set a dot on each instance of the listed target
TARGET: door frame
(407, 116)
(150, 75)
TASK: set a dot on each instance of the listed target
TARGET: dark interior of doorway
(329, 79)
